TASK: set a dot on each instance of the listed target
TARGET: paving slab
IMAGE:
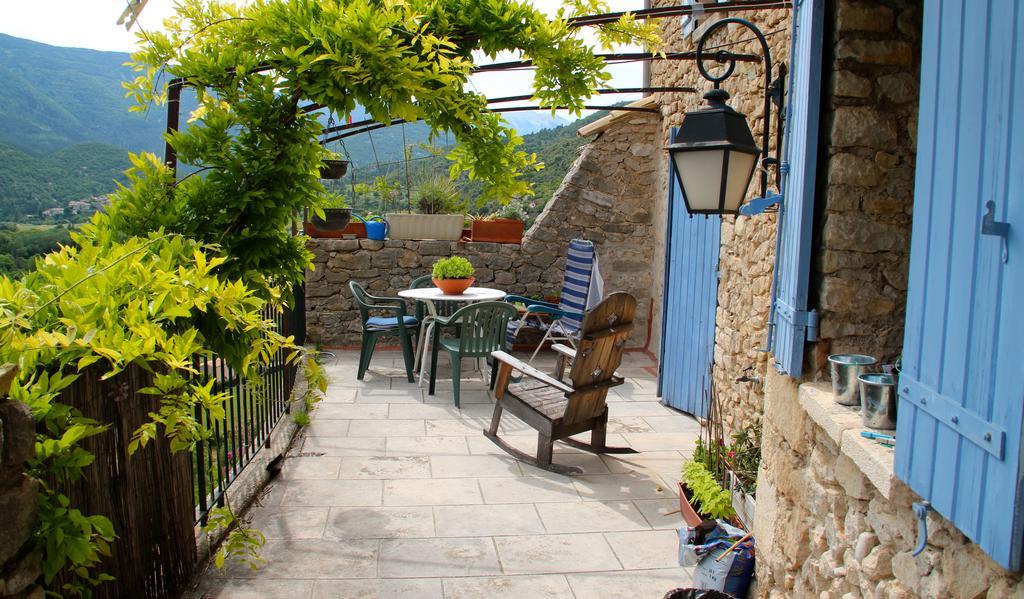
(391, 492)
(419, 558)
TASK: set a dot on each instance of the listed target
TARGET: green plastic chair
(480, 330)
(401, 324)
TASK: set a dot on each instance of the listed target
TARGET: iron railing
(251, 413)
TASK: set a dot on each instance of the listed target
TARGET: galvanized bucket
(845, 370)
(878, 401)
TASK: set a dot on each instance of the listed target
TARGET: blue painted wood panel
(689, 304)
(962, 388)
(796, 215)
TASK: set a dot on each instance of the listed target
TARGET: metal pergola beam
(367, 126)
(520, 98)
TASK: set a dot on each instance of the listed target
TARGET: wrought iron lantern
(713, 150)
(715, 157)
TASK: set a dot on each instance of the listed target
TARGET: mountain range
(65, 128)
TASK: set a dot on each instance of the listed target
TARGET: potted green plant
(453, 275)
(332, 217)
(441, 212)
(701, 496)
(504, 225)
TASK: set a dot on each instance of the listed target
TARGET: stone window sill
(843, 425)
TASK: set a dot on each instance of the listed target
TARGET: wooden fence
(153, 498)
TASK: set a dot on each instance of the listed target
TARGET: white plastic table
(429, 295)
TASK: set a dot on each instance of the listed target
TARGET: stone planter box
(425, 226)
(498, 230)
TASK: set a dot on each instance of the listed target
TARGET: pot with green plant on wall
(331, 219)
(441, 212)
(504, 225)
(453, 276)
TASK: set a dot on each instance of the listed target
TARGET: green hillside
(65, 131)
(54, 97)
(557, 148)
(31, 183)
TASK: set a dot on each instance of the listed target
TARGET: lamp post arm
(722, 57)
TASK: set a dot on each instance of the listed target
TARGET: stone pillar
(20, 564)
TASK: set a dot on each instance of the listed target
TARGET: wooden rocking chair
(558, 410)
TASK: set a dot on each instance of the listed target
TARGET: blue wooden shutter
(796, 215)
(962, 387)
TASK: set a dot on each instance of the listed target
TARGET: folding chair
(582, 288)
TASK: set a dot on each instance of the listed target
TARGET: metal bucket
(878, 401)
(845, 370)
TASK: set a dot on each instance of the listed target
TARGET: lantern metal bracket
(774, 91)
(757, 206)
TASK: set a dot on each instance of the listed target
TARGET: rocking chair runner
(558, 410)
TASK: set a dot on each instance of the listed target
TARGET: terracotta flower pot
(498, 230)
(357, 229)
(686, 507)
(454, 286)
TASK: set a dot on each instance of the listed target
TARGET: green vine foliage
(112, 302)
(407, 59)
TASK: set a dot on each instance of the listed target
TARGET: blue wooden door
(689, 303)
(962, 388)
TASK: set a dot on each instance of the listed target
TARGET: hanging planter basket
(333, 169)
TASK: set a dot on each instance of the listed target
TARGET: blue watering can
(376, 227)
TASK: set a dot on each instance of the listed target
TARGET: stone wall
(606, 197)
(833, 522)
(20, 565)
(748, 243)
(866, 194)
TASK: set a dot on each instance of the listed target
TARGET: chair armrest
(565, 350)
(527, 301)
(530, 371)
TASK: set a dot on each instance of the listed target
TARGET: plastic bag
(702, 545)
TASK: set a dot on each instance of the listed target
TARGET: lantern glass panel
(741, 169)
(700, 173)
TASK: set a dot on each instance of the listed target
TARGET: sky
(92, 24)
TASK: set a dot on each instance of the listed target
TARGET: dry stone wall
(867, 191)
(606, 197)
(748, 243)
(824, 530)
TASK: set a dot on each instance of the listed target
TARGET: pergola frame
(176, 85)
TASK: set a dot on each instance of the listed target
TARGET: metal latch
(921, 510)
(990, 226)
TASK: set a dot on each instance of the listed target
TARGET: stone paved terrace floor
(394, 493)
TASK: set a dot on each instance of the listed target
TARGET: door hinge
(805, 318)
